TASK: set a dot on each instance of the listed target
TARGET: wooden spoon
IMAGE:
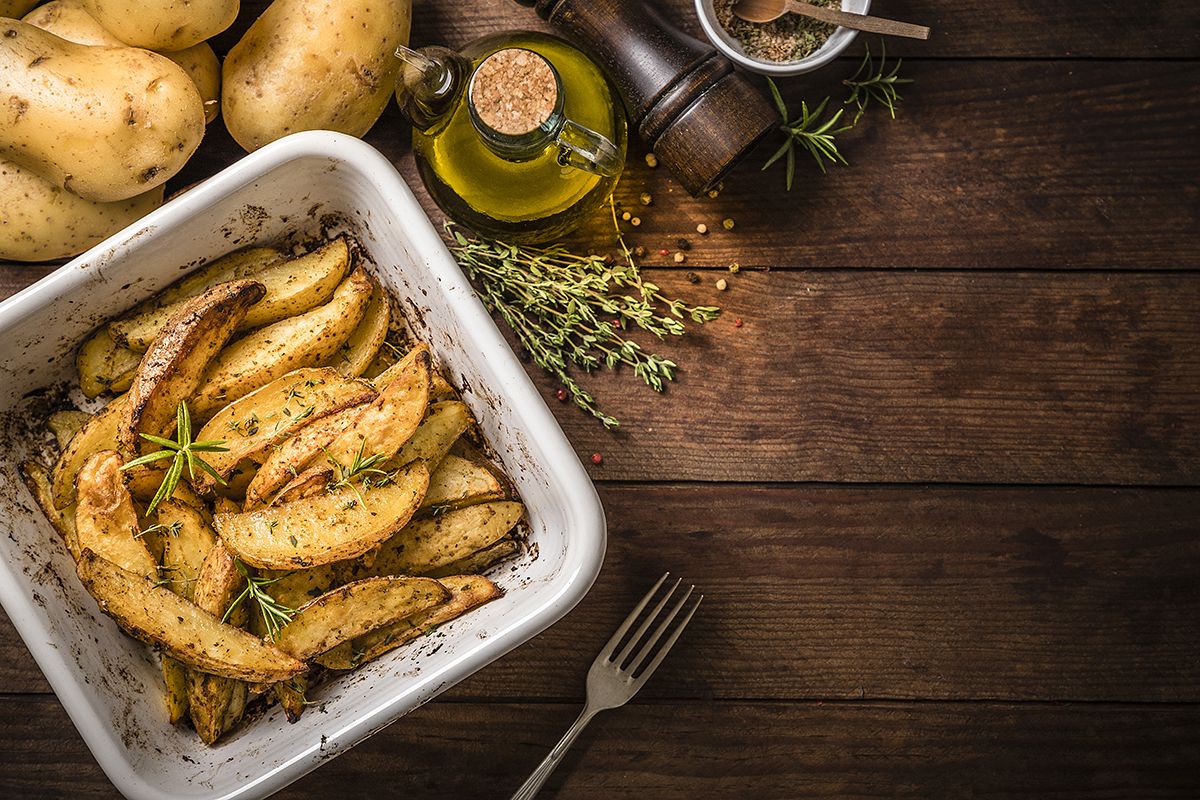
(768, 10)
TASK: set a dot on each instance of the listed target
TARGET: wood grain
(879, 593)
(723, 750)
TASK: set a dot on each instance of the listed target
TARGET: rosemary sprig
(183, 451)
(871, 83)
(568, 309)
(363, 468)
(274, 614)
(173, 529)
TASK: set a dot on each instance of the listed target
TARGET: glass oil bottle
(518, 137)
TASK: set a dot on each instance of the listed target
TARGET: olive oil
(519, 136)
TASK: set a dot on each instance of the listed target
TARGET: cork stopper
(514, 91)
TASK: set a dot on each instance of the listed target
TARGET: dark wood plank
(733, 750)
(1107, 29)
(943, 593)
(988, 165)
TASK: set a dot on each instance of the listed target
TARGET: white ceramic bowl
(111, 685)
(732, 48)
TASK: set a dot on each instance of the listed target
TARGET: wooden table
(939, 488)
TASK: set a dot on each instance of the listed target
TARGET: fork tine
(662, 653)
(653, 615)
(628, 623)
(658, 632)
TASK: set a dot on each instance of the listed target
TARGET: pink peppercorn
(597, 458)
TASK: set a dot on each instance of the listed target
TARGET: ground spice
(789, 38)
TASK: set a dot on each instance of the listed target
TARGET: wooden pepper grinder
(684, 99)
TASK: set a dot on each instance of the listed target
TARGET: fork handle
(533, 784)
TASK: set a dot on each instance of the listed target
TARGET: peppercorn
(680, 258)
(651, 160)
(737, 323)
(625, 215)
(597, 458)
(662, 251)
(702, 229)
(635, 221)
(639, 251)
(683, 244)
(727, 224)
(561, 394)
(722, 284)
(693, 277)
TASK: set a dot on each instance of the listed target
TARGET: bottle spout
(424, 75)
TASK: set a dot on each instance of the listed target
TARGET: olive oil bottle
(519, 136)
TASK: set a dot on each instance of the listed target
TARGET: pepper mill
(684, 99)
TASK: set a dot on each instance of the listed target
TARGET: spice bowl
(732, 49)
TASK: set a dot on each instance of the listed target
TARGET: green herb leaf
(182, 451)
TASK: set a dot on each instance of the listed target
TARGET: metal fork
(609, 684)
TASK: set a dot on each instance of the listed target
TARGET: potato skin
(166, 25)
(70, 20)
(107, 123)
(313, 65)
(41, 222)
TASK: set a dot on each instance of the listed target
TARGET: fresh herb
(182, 451)
(568, 309)
(871, 83)
(173, 529)
(364, 468)
(274, 614)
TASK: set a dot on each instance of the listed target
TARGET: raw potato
(355, 609)
(65, 424)
(271, 352)
(459, 480)
(175, 365)
(157, 615)
(425, 545)
(104, 365)
(105, 520)
(15, 8)
(42, 222)
(360, 349)
(37, 480)
(466, 593)
(293, 286)
(313, 65)
(216, 703)
(204, 68)
(268, 416)
(105, 123)
(168, 25)
(320, 530)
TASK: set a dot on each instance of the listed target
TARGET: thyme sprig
(364, 467)
(182, 452)
(274, 614)
(871, 83)
(573, 310)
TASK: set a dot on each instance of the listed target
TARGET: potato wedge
(104, 365)
(296, 588)
(141, 325)
(446, 421)
(380, 429)
(290, 695)
(355, 609)
(215, 703)
(466, 592)
(65, 424)
(176, 363)
(293, 286)
(334, 526)
(304, 340)
(459, 480)
(480, 561)
(157, 615)
(359, 351)
(425, 545)
(284, 461)
(175, 679)
(185, 547)
(269, 415)
(37, 480)
(105, 519)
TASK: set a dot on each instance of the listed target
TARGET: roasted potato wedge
(216, 703)
(466, 592)
(425, 545)
(304, 340)
(439, 388)
(65, 424)
(104, 365)
(435, 436)
(267, 416)
(37, 479)
(186, 547)
(355, 609)
(459, 480)
(480, 561)
(175, 679)
(335, 526)
(359, 351)
(292, 286)
(176, 363)
(290, 695)
(105, 519)
(157, 615)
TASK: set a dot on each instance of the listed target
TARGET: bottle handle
(583, 148)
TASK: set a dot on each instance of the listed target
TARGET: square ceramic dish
(111, 685)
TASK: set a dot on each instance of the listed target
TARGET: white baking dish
(110, 684)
